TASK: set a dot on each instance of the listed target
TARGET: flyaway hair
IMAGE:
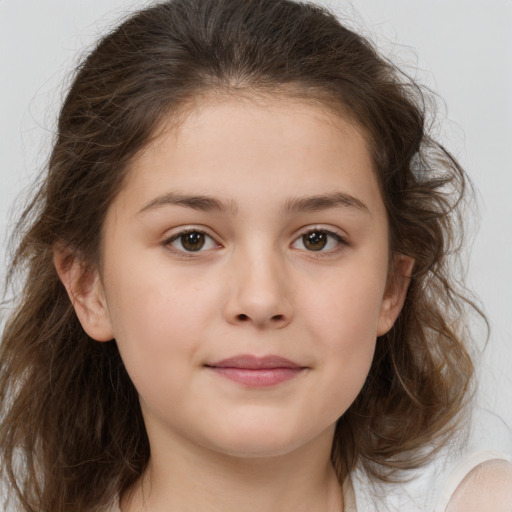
(71, 430)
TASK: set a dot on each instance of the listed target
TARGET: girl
(237, 294)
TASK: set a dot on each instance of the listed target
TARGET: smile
(254, 371)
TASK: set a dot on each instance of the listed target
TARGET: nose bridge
(260, 291)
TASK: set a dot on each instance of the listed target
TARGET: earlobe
(396, 291)
(85, 290)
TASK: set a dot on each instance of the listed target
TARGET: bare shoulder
(487, 488)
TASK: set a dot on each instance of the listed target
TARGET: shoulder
(486, 488)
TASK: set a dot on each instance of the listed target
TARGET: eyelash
(340, 241)
(184, 252)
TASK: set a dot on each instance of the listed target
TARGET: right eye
(190, 241)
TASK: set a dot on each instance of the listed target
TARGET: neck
(193, 478)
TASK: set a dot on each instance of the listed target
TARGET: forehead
(256, 147)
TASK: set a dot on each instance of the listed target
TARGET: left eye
(192, 241)
(318, 240)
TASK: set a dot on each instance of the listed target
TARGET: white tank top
(430, 488)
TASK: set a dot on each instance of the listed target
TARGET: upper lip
(251, 362)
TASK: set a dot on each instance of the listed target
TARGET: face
(245, 275)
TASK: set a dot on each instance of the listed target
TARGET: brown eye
(193, 241)
(315, 240)
(321, 241)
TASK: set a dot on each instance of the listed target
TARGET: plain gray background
(462, 49)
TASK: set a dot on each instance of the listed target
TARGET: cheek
(343, 322)
(345, 306)
(157, 325)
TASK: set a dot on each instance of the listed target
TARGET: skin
(255, 287)
(487, 488)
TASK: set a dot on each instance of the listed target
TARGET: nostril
(275, 319)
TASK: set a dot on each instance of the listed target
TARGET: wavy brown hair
(72, 433)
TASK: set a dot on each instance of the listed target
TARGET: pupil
(315, 241)
(192, 241)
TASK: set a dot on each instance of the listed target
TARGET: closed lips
(255, 363)
(251, 371)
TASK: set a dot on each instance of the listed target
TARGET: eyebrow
(324, 202)
(196, 202)
(293, 205)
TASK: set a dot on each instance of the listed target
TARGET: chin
(262, 440)
(258, 448)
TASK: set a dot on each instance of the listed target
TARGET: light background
(462, 49)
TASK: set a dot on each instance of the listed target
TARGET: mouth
(252, 371)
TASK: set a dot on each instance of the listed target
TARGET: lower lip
(262, 377)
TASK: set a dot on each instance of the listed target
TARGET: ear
(396, 291)
(85, 290)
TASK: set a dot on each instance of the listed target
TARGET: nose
(259, 291)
